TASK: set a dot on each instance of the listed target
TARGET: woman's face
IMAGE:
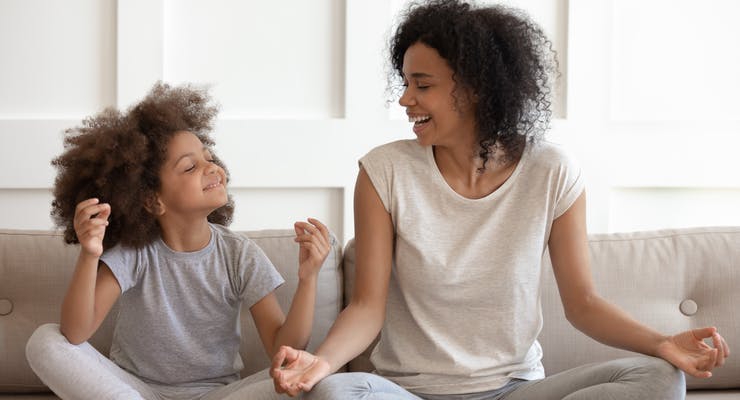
(440, 115)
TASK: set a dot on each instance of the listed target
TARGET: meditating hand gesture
(90, 221)
(295, 371)
(314, 242)
(688, 351)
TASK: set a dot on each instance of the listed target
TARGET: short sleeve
(122, 261)
(378, 170)
(258, 275)
(570, 184)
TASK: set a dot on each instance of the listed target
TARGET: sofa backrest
(36, 266)
(671, 280)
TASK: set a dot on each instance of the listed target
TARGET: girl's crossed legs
(81, 372)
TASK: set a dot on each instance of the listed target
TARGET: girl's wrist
(88, 257)
(308, 279)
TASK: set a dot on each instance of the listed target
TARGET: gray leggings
(80, 372)
(626, 378)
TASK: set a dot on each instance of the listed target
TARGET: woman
(450, 232)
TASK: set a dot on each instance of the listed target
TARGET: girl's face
(440, 115)
(192, 184)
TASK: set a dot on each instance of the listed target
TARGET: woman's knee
(347, 385)
(667, 380)
(665, 371)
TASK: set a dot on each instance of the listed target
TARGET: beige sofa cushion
(36, 266)
(650, 275)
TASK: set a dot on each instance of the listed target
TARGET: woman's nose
(406, 99)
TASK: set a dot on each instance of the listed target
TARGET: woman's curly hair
(116, 157)
(503, 57)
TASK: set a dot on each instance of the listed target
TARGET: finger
(85, 203)
(309, 379)
(90, 211)
(91, 230)
(276, 375)
(313, 251)
(727, 348)
(707, 360)
(279, 358)
(314, 240)
(318, 230)
(104, 213)
(698, 374)
(324, 230)
(702, 333)
(713, 356)
(717, 342)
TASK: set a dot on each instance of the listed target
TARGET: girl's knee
(46, 342)
(44, 337)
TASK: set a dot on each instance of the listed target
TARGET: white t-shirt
(463, 310)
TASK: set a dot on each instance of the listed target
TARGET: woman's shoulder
(405, 149)
(549, 155)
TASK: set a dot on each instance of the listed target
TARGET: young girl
(145, 197)
(450, 232)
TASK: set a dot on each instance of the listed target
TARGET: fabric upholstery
(649, 274)
(36, 266)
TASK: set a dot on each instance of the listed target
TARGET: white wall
(646, 102)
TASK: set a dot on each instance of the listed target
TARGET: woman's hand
(90, 221)
(313, 239)
(295, 371)
(688, 351)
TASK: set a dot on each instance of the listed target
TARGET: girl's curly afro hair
(499, 54)
(116, 157)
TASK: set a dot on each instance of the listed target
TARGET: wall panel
(58, 58)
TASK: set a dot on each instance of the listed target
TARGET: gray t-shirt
(178, 320)
(463, 310)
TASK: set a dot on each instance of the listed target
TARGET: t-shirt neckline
(491, 196)
(187, 255)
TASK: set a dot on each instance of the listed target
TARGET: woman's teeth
(419, 119)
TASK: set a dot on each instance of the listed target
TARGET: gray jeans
(626, 378)
(80, 372)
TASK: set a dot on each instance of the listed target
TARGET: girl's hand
(313, 238)
(295, 371)
(690, 353)
(90, 221)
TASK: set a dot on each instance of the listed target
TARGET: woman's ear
(154, 205)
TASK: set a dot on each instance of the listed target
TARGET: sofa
(672, 280)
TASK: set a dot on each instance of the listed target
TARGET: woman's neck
(462, 169)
